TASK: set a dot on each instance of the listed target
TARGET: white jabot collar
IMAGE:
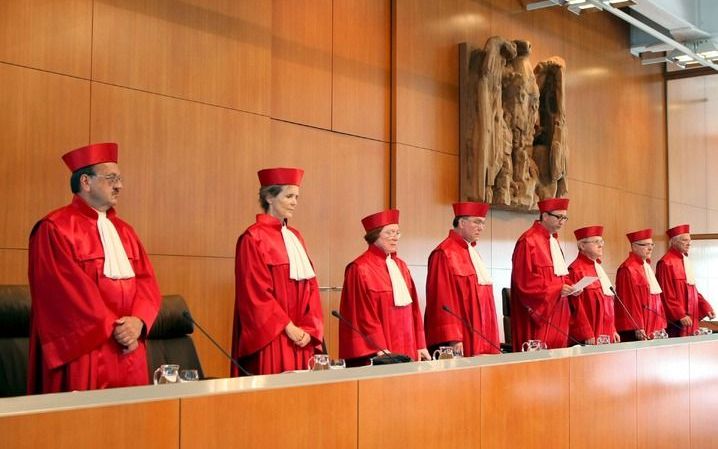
(299, 266)
(117, 265)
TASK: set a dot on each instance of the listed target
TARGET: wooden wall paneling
(190, 169)
(207, 284)
(361, 65)
(426, 186)
(711, 136)
(530, 405)
(322, 416)
(359, 186)
(150, 425)
(330, 301)
(639, 212)
(211, 51)
(663, 397)
(13, 266)
(603, 401)
(43, 116)
(426, 74)
(54, 36)
(302, 62)
(703, 394)
(427, 410)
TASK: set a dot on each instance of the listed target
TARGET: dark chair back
(506, 306)
(14, 339)
(169, 340)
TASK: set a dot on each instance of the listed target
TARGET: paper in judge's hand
(584, 282)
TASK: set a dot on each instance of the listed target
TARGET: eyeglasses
(645, 245)
(558, 217)
(476, 221)
(599, 242)
(112, 178)
(390, 234)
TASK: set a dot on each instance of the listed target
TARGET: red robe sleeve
(357, 308)
(535, 288)
(419, 337)
(673, 297)
(704, 308)
(148, 297)
(629, 293)
(580, 326)
(440, 326)
(69, 314)
(262, 318)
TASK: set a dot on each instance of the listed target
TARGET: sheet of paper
(585, 282)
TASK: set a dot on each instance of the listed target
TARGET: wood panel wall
(201, 94)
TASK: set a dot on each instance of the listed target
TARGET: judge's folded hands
(127, 330)
(297, 335)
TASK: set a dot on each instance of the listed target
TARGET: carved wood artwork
(512, 125)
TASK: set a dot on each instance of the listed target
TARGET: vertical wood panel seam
(392, 103)
(92, 51)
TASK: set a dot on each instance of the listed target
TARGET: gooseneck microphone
(561, 331)
(189, 318)
(466, 322)
(615, 295)
(393, 358)
(655, 312)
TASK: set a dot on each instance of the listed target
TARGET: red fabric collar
(85, 209)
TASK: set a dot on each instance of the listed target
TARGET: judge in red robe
(94, 292)
(683, 304)
(278, 322)
(539, 281)
(379, 298)
(592, 313)
(641, 313)
(458, 279)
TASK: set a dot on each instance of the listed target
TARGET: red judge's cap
(96, 153)
(588, 231)
(379, 219)
(471, 209)
(643, 234)
(550, 204)
(280, 176)
(678, 230)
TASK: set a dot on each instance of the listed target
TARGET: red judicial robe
(266, 300)
(74, 305)
(680, 298)
(368, 303)
(592, 312)
(633, 289)
(535, 286)
(452, 281)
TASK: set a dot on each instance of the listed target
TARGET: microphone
(189, 318)
(387, 357)
(466, 322)
(680, 328)
(615, 295)
(561, 331)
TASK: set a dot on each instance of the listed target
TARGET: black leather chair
(169, 340)
(506, 306)
(14, 339)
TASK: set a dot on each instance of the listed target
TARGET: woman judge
(277, 312)
(379, 298)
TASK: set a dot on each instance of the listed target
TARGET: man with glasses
(458, 279)
(94, 292)
(540, 282)
(684, 305)
(592, 314)
(640, 316)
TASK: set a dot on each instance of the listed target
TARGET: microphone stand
(466, 322)
(189, 318)
(399, 358)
